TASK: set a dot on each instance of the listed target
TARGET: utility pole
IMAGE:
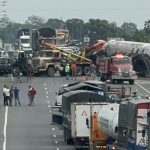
(91, 127)
(124, 30)
(148, 120)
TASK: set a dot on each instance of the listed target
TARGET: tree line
(94, 29)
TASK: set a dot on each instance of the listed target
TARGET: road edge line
(142, 87)
(5, 126)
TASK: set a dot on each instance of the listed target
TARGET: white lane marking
(47, 97)
(5, 126)
(54, 135)
(50, 111)
(53, 129)
(45, 88)
(57, 148)
(48, 101)
(56, 142)
(46, 92)
(44, 84)
(49, 106)
(142, 87)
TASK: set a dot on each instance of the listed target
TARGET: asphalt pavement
(30, 127)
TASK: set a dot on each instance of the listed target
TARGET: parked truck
(90, 122)
(125, 125)
(74, 116)
(51, 59)
(5, 64)
(117, 68)
(24, 39)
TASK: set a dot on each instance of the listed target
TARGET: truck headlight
(120, 73)
(133, 72)
(43, 64)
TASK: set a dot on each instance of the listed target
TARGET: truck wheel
(103, 79)
(79, 71)
(113, 81)
(51, 72)
(87, 70)
(62, 73)
(131, 82)
(36, 74)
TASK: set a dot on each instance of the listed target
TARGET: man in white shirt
(7, 92)
(4, 95)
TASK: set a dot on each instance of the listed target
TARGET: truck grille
(35, 62)
(126, 74)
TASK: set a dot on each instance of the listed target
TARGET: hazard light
(119, 56)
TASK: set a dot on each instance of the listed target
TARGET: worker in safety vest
(67, 71)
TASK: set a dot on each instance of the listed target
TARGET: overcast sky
(119, 11)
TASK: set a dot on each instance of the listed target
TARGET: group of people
(71, 70)
(13, 93)
(9, 94)
(18, 73)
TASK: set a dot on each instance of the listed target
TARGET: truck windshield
(124, 60)
(25, 41)
(46, 54)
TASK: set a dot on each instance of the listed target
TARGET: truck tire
(131, 82)
(103, 79)
(67, 139)
(113, 81)
(62, 73)
(87, 70)
(36, 74)
(79, 71)
(50, 72)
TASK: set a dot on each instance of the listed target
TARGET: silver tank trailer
(140, 53)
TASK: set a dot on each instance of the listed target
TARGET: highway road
(30, 127)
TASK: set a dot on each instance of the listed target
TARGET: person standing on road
(16, 96)
(4, 95)
(7, 92)
(93, 71)
(33, 93)
(29, 94)
(29, 72)
(67, 71)
(73, 70)
(11, 94)
(17, 72)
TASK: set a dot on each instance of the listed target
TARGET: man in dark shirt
(16, 96)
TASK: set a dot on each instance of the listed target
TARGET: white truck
(24, 40)
(79, 131)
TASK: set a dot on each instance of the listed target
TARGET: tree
(128, 30)
(100, 29)
(34, 22)
(55, 24)
(76, 28)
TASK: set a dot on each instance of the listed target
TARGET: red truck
(117, 68)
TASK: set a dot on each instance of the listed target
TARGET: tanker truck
(138, 51)
(126, 123)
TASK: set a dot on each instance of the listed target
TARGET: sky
(119, 11)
